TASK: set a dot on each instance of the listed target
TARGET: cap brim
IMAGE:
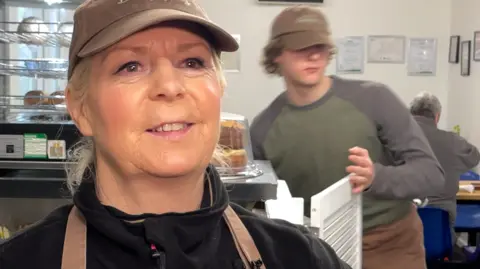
(301, 40)
(141, 20)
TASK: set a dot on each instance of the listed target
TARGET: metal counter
(51, 184)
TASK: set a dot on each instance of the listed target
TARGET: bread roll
(58, 98)
(33, 98)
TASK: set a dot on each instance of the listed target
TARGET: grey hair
(426, 104)
(82, 154)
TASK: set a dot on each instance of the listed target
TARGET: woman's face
(153, 104)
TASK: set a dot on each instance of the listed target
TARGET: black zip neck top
(192, 240)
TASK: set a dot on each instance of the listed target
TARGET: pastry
(232, 141)
(236, 158)
(231, 134)
(33, 98)
(57, 98)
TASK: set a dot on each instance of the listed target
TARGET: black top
(194, 240)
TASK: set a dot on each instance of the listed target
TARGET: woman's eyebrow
(143, 49)
(188, 46)
(137, 49)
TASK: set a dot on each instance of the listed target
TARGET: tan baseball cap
(98, 24)
(300, 27)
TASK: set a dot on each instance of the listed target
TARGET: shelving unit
(34, 40)
(36, 69)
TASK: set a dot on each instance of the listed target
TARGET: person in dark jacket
(144, 89)
(455, 154)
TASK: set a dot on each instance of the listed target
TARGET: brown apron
(398, 245)
(75, 244)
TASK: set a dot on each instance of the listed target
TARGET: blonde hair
(272, 50)
(82, 154)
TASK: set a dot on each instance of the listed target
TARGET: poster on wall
(476, 46)
(454, 52)
(386, 49)
(465, 58)
(350, 55)
(231, 60)
(422, 57)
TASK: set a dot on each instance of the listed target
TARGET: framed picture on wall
(476, 46)
(454, 49)
(465, 60)
(386, 49)
(231, 60)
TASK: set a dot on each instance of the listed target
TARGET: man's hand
(362, 172)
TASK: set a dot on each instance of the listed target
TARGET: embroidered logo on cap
(306, 19)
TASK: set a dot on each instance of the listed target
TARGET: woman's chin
(174, 169)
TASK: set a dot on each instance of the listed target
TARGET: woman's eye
(194, 63)
(129, 67)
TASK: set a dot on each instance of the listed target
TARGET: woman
(145, 86)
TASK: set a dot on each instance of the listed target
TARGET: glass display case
(236, 149)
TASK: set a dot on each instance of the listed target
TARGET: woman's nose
(167, 83)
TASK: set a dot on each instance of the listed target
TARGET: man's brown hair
(271, 51)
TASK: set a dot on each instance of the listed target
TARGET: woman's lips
(171, 131)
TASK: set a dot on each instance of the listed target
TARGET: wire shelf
(38, 68)
(34, 109)
(47, 39)
(37, 33)
(32, 117)
(38, 103)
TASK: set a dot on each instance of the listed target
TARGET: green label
(35, 146)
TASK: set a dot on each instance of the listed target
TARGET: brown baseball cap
(98, 24)
(300, 27)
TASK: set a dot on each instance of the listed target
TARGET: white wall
(251, 90)
(464, 92)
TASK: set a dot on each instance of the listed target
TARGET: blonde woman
(144, 89)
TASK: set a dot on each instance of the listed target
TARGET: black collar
(190, 237)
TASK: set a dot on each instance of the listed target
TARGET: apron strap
(243, 240)
(75, 243)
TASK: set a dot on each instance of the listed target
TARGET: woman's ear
(78, 113)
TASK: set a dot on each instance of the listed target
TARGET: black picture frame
(465, 58)
(476, 46)
(454, 50)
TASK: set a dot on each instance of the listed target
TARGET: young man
(307, 131)
(454, 153)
